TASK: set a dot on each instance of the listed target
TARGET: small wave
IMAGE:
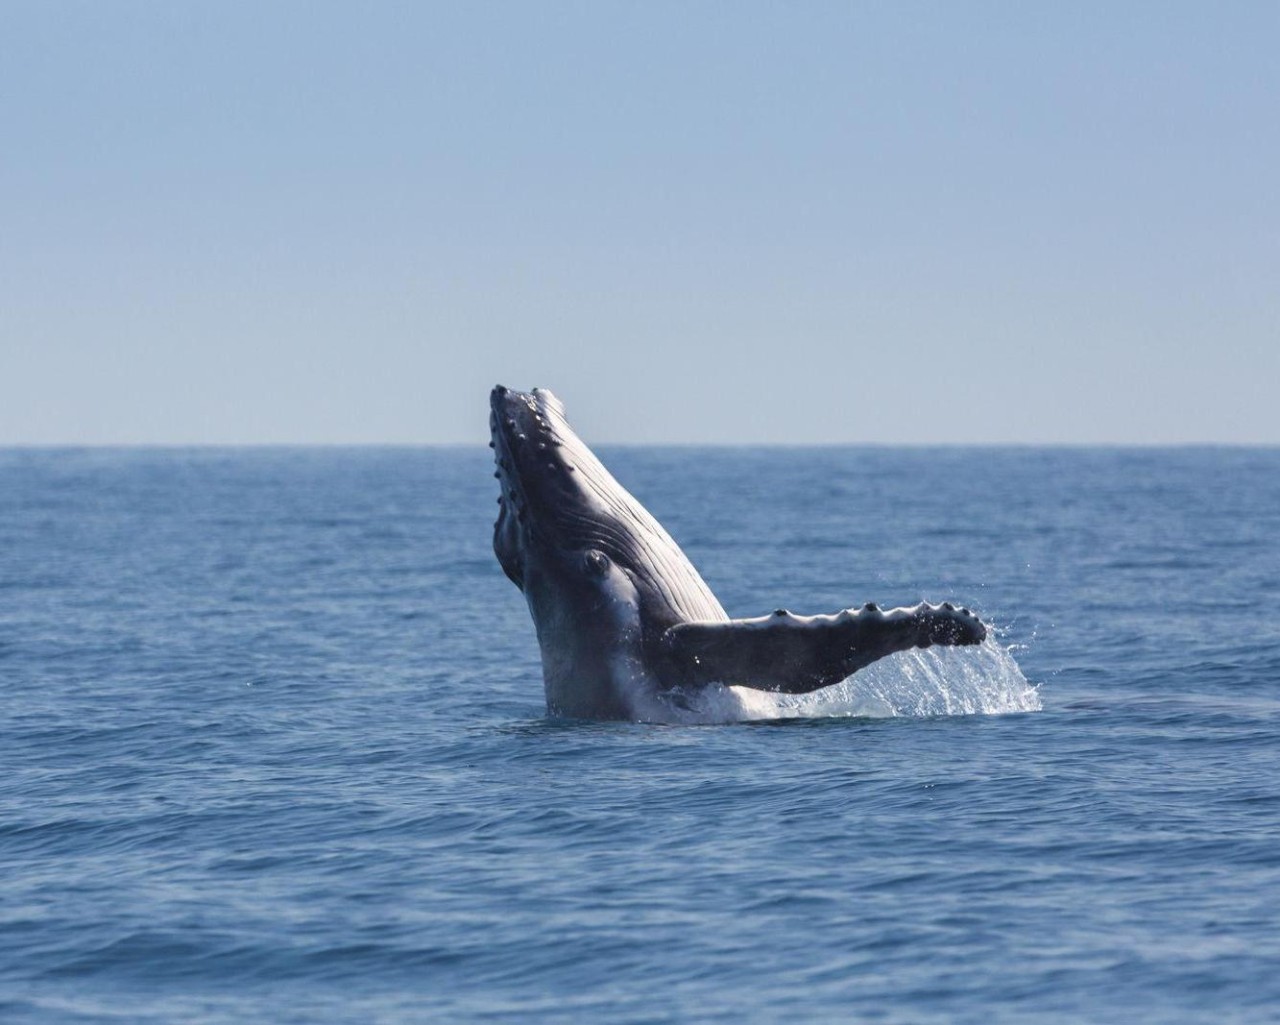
(981, 680)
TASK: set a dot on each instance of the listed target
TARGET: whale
(627, 628)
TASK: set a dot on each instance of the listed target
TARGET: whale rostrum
(623, 619)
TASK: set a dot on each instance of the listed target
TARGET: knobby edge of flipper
(793, 654)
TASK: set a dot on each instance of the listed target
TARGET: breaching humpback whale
(623, 619)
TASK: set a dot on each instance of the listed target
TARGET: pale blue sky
(791, 222)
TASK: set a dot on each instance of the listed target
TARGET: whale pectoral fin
(797, 654)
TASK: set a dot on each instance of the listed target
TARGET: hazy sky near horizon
(696, 222)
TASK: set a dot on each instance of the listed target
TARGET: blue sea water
(274, 748)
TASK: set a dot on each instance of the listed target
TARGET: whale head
(603, 579)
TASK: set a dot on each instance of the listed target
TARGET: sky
(853, 222)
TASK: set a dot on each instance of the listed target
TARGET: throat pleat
(645, 542)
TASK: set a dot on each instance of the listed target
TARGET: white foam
(979, 680)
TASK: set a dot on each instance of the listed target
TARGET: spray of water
(979, 680)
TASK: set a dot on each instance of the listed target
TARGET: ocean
(274, 748)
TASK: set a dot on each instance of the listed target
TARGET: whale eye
(596, 562)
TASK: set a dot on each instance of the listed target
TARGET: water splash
(980, 680)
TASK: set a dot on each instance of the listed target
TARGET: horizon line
(728, 445)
